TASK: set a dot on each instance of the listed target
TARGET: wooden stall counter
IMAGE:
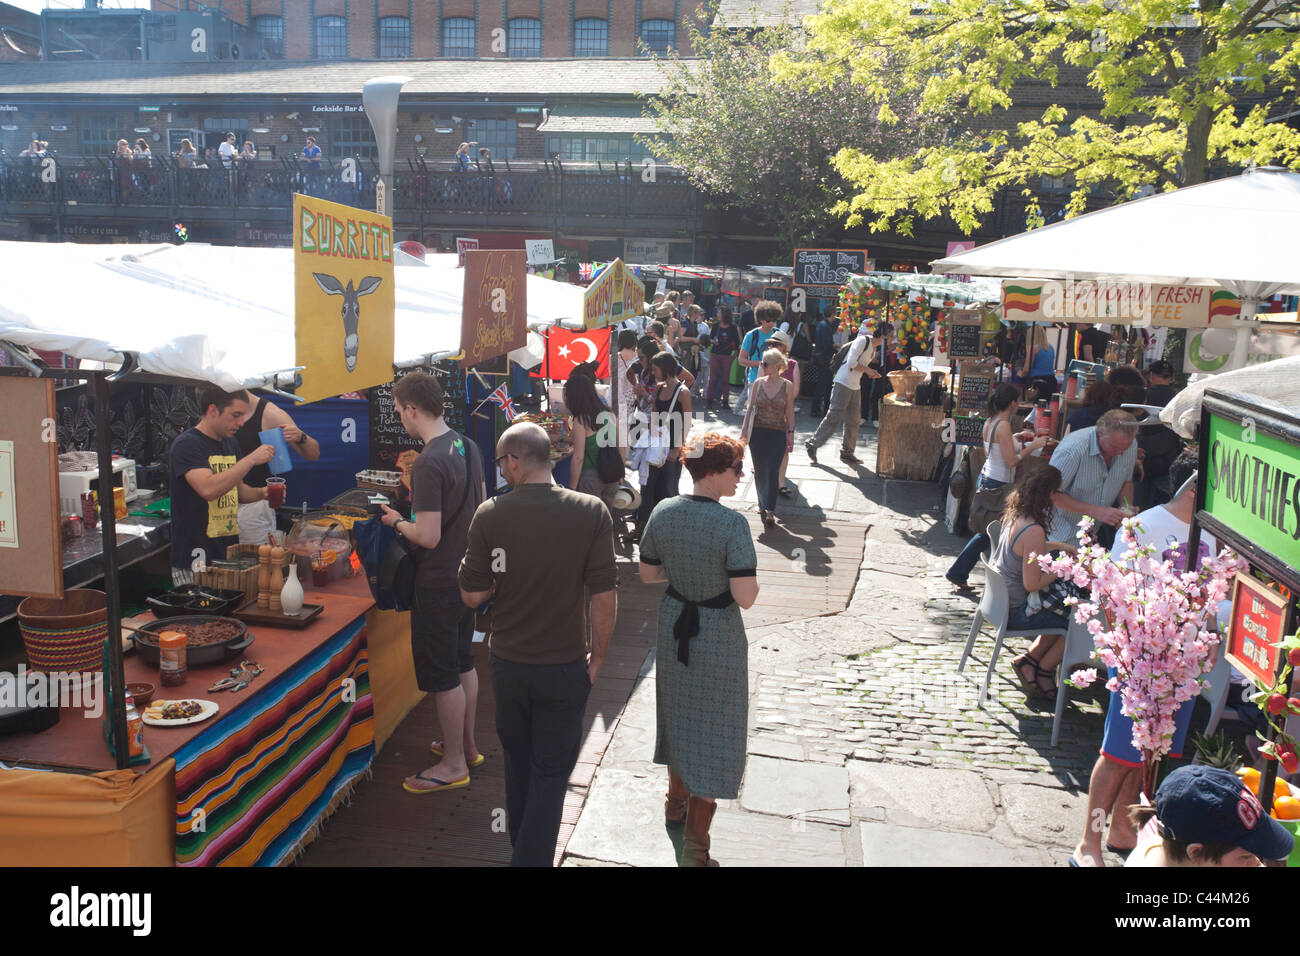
(910, 440)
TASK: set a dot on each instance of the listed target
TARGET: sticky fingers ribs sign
(343, 297)
(494, 309)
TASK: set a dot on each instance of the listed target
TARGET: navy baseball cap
(1199, 804)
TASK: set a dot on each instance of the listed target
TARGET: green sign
(1252, 485)
(528, 109)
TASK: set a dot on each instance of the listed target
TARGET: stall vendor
(207, 482)
(257, 518)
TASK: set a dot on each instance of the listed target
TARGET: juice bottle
(134, 729)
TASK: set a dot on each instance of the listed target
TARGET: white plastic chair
(1079, 647)
(994, 607)
(994, 532)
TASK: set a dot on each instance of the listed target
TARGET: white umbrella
(1236, 233)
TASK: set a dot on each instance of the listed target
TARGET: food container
(191, 599)
(65, 634)
(905, 383)
(197, 654)
(324, 544)
(142, 691)
(171, 658)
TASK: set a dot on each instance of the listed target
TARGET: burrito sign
(615, 296)
(343, 297)
(1118, 303)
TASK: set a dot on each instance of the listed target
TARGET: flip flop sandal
(1120, 851)
(787, 491)
(1031, 685)
(440, 784)
(435, 748)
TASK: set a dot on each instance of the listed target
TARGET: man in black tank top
(256, 518)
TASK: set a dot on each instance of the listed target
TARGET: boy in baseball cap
(1205, 816)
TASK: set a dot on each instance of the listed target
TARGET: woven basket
(65, 635)
(905, 383)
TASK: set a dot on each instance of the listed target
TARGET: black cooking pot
(191, 599)
(146, 641)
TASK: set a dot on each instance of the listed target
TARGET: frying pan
(146, 640)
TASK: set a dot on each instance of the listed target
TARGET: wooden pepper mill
(277, 579)
(264, 577)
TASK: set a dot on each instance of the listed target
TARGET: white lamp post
(379, 97)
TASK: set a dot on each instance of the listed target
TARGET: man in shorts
(446, 488)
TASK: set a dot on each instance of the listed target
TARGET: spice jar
(88, 518)
(171, 657)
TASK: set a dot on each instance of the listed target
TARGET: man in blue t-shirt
(207, 482)
(766, 314)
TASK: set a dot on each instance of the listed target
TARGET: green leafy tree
(768, 146)
(1131, 94)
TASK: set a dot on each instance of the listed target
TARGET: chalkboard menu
(388, 439)
(968, 431)
(964, 334)
(974, 388)
(775, 294)
(828, 267)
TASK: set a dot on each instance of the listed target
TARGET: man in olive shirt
(532, 552)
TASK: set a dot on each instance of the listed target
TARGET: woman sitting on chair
(1025, 521)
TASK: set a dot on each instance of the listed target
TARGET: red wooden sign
(1258, 623)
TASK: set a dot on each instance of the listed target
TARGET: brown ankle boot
(675, 800)
(695, 841)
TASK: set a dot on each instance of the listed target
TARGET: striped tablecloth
(252, 788)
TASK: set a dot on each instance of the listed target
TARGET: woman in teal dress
(705, 552)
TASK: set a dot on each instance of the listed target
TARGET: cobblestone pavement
(866, 746)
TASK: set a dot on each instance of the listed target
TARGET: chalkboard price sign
(964, 334)
(388, 438)
(973, 390)
(968, 431)
(775, 294)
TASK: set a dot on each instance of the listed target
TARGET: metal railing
(547, 190)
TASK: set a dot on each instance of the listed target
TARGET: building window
(352, 136)
(458, 36)
(592, 149)
(331, 38)
(498, 135)
(658, 36)
(99, 135)
(394, 37)
(215, 129)
(524, 37)
(591, 37)
(271, 31)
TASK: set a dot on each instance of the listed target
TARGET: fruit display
(1286, 800)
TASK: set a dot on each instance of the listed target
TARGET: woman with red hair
(705, 552)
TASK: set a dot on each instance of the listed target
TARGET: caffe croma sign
(1248, 494)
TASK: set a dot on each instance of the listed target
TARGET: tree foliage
(1126, 95)
(768, 145)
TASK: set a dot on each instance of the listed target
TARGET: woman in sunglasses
(705, 552)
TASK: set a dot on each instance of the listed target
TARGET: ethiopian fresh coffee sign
(1251, 478)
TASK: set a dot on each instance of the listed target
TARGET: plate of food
(179, 713)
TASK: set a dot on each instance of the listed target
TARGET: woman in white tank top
(1003, 454)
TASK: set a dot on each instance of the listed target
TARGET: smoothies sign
(1258, 623)
(343, 297)
(1174, 306)
(615, 296)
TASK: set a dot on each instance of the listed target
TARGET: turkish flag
(566, 350)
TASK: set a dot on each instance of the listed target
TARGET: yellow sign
(343, 297)
(616, 295)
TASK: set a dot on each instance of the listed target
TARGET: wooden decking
(807, 568)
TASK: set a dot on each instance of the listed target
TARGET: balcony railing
(528, 192)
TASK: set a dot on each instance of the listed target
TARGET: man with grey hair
(531, 554)
(1096, 466)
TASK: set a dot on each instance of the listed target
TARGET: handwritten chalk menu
(1258, 623)
(388, 439)
(828, 267)
(964, 334)
(775, 294)
(974, 386)
(968, 431)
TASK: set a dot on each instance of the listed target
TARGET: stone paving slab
(623, 821)
(923, 797)
(750, 839)
(816, 793)
(886, 844)
(1043, 815)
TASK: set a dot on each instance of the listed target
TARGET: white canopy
(1237, 233)
(217, 313)
(1277, 382)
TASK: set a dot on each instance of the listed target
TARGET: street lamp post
(379, 97)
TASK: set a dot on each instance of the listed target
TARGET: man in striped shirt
(1096, 466)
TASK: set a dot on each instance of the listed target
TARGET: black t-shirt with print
(210, 525)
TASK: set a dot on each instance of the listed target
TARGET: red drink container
(275, 492)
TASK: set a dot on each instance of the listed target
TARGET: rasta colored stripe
(1224, 302)
(253, 785)
(1022, 298)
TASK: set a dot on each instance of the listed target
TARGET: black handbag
(609, 465)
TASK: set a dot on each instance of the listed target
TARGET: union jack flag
(500, 396)
(584, 271)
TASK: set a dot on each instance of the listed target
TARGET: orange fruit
(1250, 777)
(1287, 808)
(1281, 788)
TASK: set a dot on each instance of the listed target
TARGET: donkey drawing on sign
(351, 309)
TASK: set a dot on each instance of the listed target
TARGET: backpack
(609, 464)
(841, 356)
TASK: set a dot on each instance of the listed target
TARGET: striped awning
(977, 290)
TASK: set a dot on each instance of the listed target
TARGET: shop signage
(1212, 350)
(964, 328)
(31, 541)
(528, 110)
(1258, 623)
(821, 291)
(775, 294)
(541, 252)
(645, 250)
(974, 387)
(1250, 487)
(828, 267)
(968, 431)
(956, 249)
(616, 295)
(463, 246)
(338, 108)
(343, 297)
(1118, 303)
(494, 307)
(8, 108)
